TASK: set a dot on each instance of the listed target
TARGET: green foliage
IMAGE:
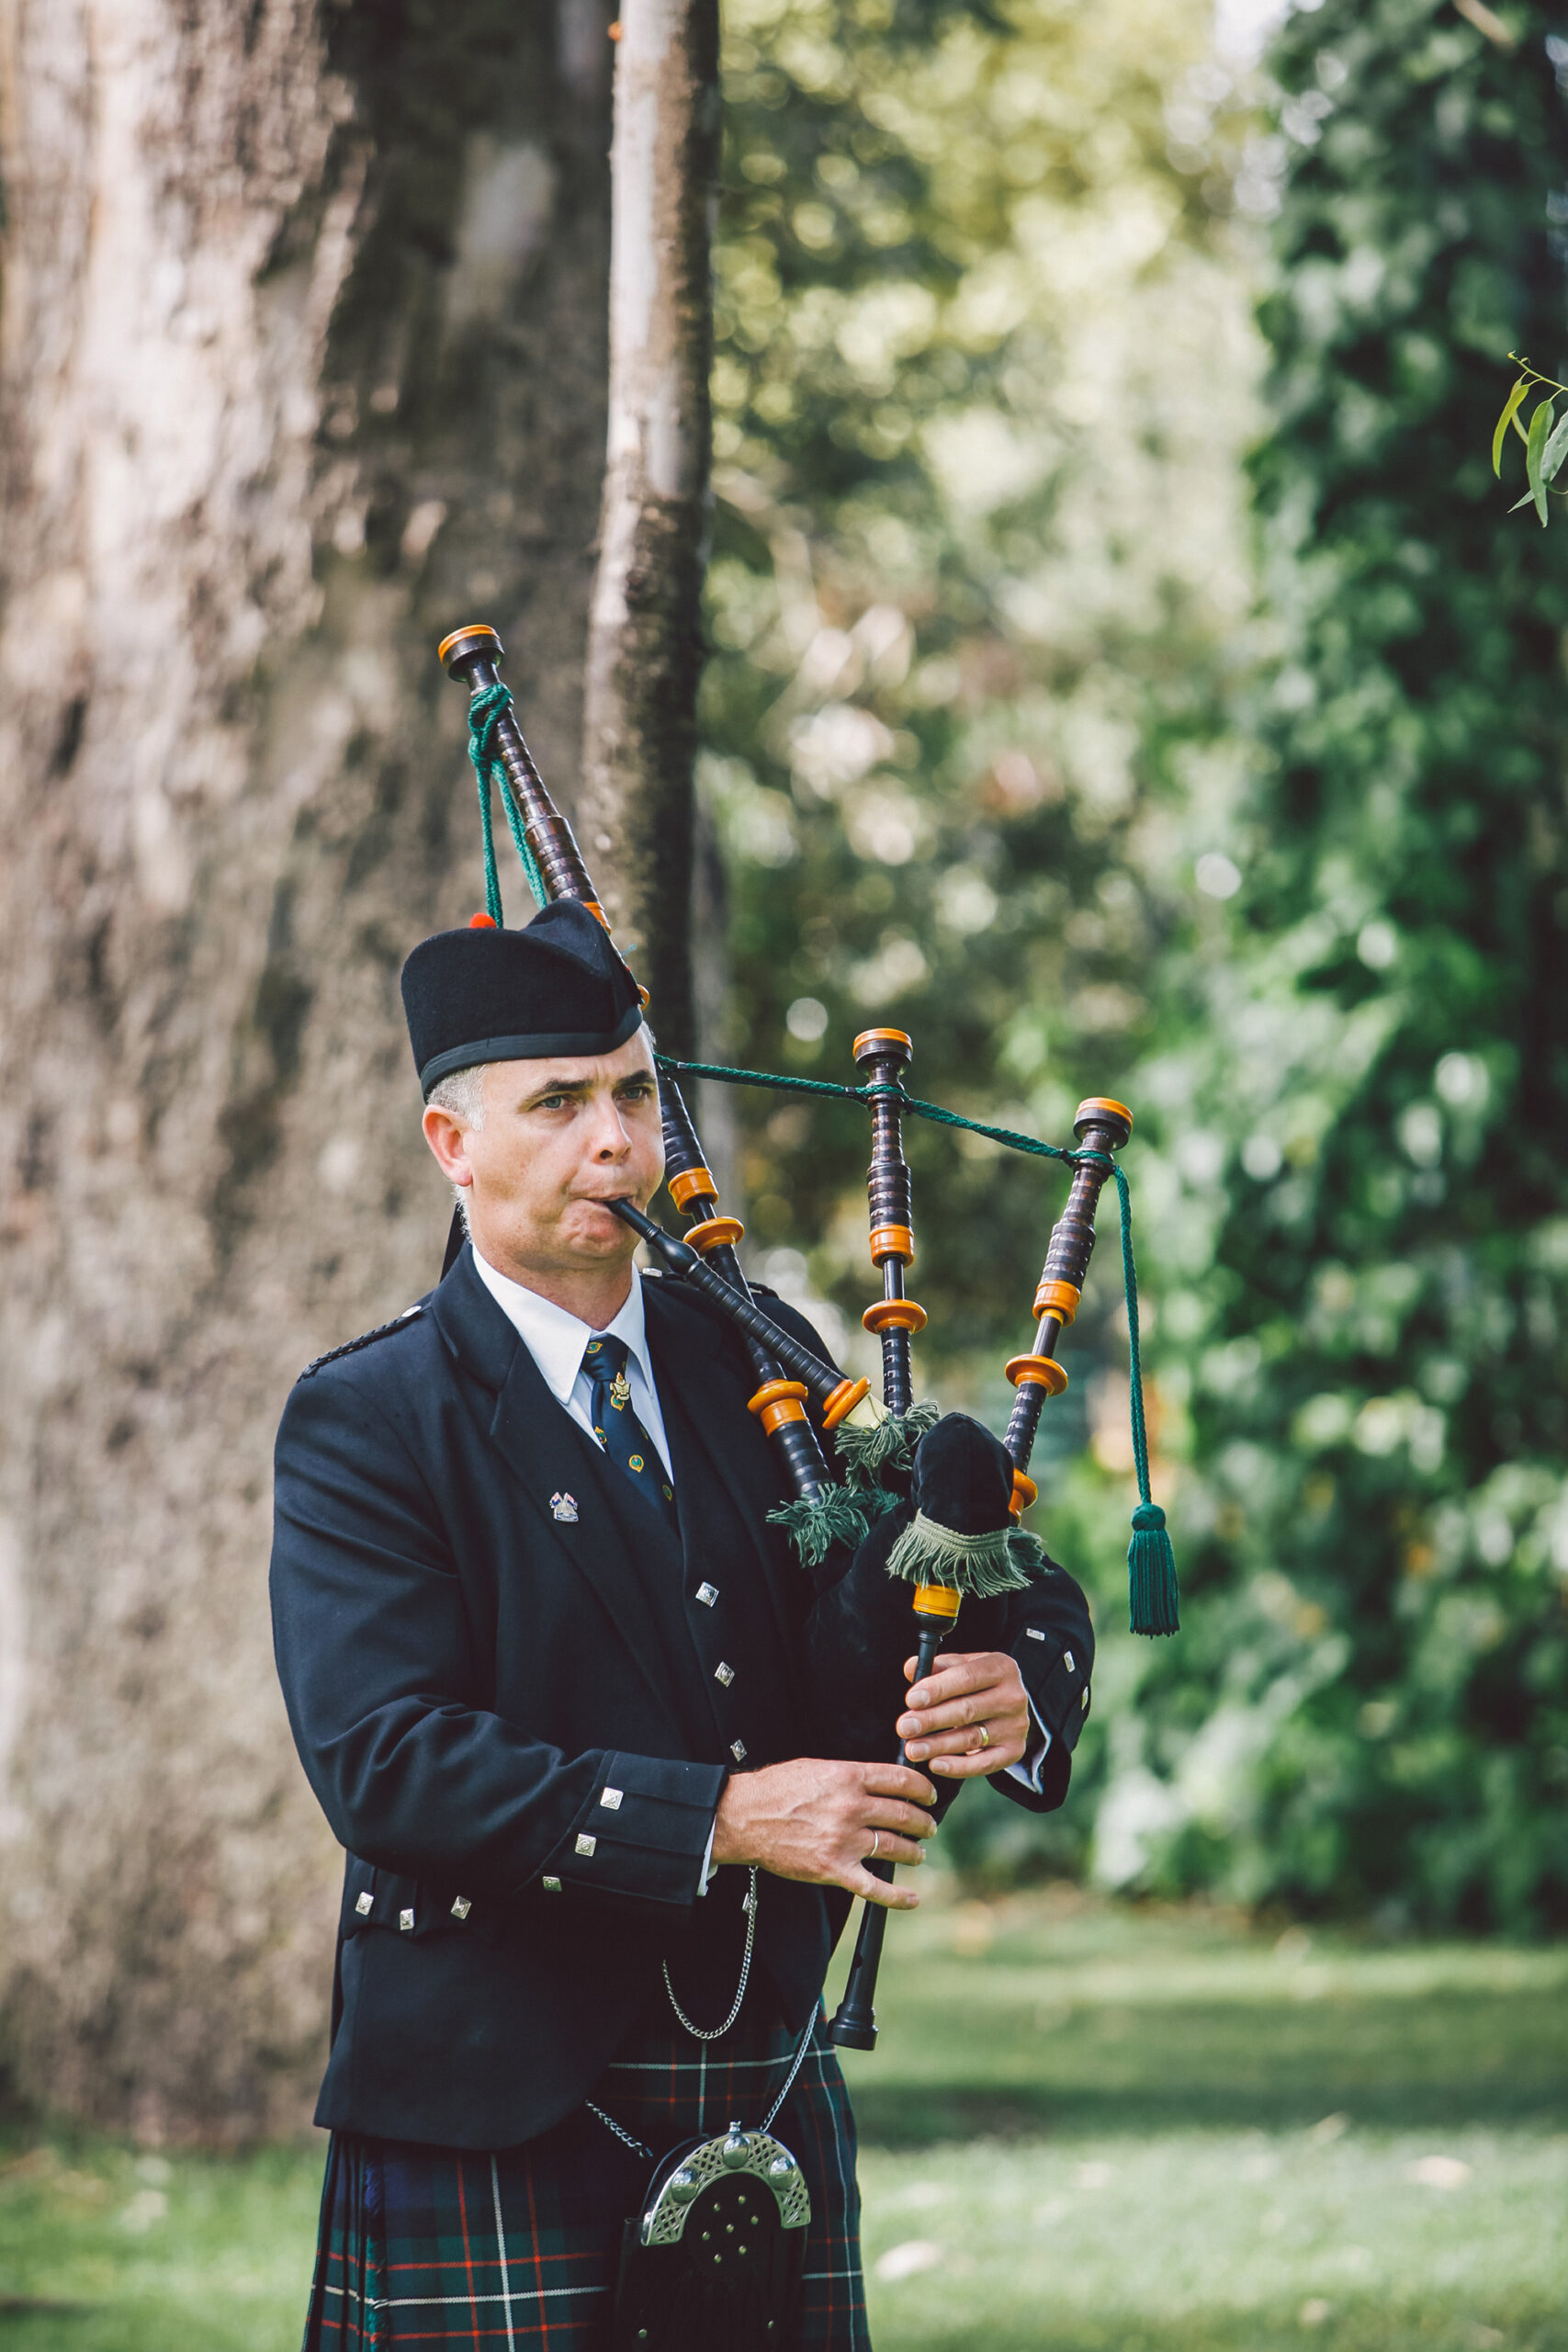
(998, 751)
(1371, 1705)
(968, 312)
(966, 711)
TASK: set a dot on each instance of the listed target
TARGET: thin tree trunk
(645, 650)
(301, 362)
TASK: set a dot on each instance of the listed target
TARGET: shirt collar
(555, 1339)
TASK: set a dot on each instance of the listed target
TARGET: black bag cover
(861, 1626)
(715, 2257)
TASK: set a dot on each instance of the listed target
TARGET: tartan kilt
(436, 2247)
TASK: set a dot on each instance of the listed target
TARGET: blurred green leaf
(1510, 410)
(1556, 448)
(1535, 450)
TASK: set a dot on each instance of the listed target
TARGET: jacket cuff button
(364, 1905)
(461, 1907)
(405, 1920)
(551, 1885)
(585, 1845)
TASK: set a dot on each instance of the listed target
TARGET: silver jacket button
(723, 1673)
(405, 1920)
(586, 1845)
(461, 1906)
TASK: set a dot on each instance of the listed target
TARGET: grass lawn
(1085, 2128)
(1088, 2128)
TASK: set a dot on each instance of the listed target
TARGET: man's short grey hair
(461, 1095)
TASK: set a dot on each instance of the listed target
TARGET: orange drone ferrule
(1084, 1116)
(892, 1242)
(942, 1600)
(1043, 1371)
(894, 1314)
(714, 1233)
(1060, 1299)
(778, 1401)
(1025, 1492)
(842, 1402)
(693, 1185)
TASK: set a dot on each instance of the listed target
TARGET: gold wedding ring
(984, 1738)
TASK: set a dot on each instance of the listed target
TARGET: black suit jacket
(519, 1722)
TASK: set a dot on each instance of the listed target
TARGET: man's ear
(447, 1138)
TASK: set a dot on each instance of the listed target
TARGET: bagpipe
(882, 1450)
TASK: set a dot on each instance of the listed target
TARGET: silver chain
(799, 2061)
(697, 2034)
(610, 2123)
(639, 2149)
(720, 2031)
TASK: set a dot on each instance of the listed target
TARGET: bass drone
(876, 1445)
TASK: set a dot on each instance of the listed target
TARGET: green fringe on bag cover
(979, 1566)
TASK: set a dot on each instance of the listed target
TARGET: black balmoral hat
(559, 986)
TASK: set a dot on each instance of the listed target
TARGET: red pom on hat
(481, 922)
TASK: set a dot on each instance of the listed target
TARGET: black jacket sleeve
(1048, 1630)
(391, 1708)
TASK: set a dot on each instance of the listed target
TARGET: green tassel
(977, 1566)
(1151, 1574)
(838, 1515)
(891, 1445)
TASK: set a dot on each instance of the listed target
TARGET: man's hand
(947, 1710)
(821, 1822)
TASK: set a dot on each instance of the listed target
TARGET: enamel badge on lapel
(563, 1505)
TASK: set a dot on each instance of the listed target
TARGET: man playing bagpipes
(607, 1762)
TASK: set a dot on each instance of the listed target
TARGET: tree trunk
(645, 650)
(303, 362)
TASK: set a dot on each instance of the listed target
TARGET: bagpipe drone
(878, 1449)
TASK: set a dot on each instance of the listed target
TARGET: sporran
(715, 2252)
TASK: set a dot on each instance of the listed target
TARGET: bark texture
(301, 362)
(645, 647)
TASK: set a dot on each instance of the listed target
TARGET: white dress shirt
(557, 1340)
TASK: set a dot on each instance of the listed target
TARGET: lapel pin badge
(563, 1505)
